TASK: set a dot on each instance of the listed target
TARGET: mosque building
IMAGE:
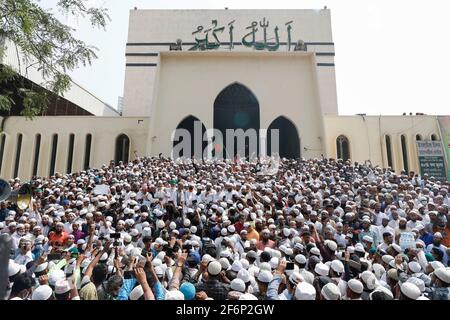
(218, 69)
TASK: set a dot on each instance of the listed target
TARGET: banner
(407, 240)
(444, 127)
(101, 189)
(431, 159)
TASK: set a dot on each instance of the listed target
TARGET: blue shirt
(427, 238)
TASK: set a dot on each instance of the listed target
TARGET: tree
(42, 42)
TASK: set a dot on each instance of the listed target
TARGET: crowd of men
(159, 229)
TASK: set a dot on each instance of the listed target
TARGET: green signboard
(444, 125)
(431, 159)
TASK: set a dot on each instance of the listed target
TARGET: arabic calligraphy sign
(209, 38)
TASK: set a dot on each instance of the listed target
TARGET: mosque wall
(153, 32)
(284, 84)
(367, 137)
(104, 132)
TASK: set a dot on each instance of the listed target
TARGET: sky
(391, 55)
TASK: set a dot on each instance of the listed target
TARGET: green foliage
(46, 44)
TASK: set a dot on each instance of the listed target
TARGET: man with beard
(424, 235)
(437, 239)
(388, 239)
(401, 228)
(265, 241)
(59, 235)
(384, 227)
(440, 289)
(367, 231)
(394, 217)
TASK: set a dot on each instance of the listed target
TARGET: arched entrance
(342, 148)
(196, 131)
(122, 148)
(289, 142)
(236, 107)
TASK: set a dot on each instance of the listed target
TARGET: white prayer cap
(265, 276)
(159, 271)
(331, 245)
(410, 290)
(301, 259)
(369, 279)
(414, 266)
(359, 247)
(245, 264)
(305, 291)
(265, 266)
(443, 274)
(236, 266)
(244, 275)
(248, 296)
(330, 291)
(378, 270)
(41, 267)
(174, 295)
(274, 262)
(160, 224)
(275, 253)
(225, 263)
(42, 292)
(387, 258)
(418, 282)
(356, 286)
(126, 237)
(156, 262)
(321, 269)
(237, 285)
(436, 265)
(214, 268)
(315, 251)
(62, 286)
(207, 258)
(382, 289)
(56, 275)
(15, 268)
(337, 266)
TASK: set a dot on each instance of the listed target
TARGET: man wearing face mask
(38, 248)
